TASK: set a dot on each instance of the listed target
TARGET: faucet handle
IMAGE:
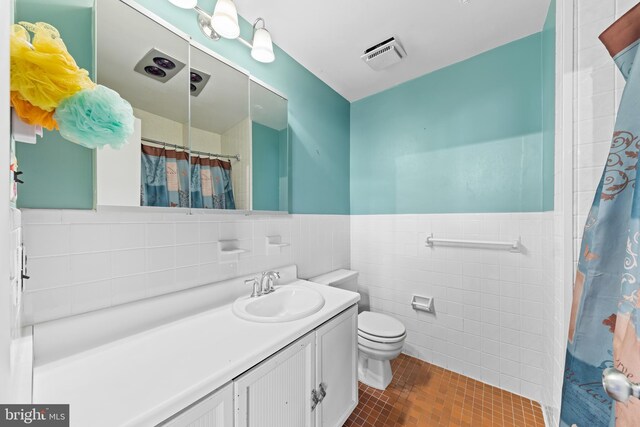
(257, 291)
(270, 276)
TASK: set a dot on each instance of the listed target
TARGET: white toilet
(380, 337)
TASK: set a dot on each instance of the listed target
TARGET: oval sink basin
(285, 304)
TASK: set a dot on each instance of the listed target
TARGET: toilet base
(374, 373)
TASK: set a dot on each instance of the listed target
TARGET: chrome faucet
(257, 290)
(266, 282)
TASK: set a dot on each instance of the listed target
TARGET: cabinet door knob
(314, 399)
(323, 391)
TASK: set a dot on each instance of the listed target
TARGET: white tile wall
(490, 305)
(85, 260)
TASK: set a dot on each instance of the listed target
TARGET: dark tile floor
(422, 394)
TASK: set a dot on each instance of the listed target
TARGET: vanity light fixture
(224, 23)
(262, 47)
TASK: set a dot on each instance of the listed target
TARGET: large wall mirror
(207, 135)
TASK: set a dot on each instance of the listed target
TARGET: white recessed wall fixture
(224, 23)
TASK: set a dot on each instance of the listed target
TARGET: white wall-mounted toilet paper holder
(422, 303)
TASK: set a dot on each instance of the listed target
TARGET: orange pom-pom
(32, 115)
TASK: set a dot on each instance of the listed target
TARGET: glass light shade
(185, 4)
(225, 19)
(262, 49)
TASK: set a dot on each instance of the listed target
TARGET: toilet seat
(379, 346)
(380, 328)
(382, 340)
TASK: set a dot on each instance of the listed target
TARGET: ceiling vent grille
(158, 66)
(384, 54)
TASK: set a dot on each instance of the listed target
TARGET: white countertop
(145, 378)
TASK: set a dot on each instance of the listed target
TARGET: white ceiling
(327, 37)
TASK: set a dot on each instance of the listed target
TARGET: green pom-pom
(95, 118)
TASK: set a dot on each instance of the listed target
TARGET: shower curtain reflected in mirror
(165, 177)
(604, 324)
(211, 186)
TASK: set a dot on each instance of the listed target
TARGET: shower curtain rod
(180, 147)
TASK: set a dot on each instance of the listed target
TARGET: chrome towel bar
(511, 246)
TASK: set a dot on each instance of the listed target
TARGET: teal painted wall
(548, 105)
(465, 138)
(318, 123)
(265, 167)
(58, 173)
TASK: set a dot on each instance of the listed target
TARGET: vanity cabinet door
(277, 392)
(213, 411)
(337, 368)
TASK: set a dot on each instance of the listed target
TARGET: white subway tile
(187, 255)
(128, 288)
(90, 296)
(187, 233)
(162, 258)
(48, 272)
(88, 238)
(161, 234)
(90, 267)
(127, 262)
(46, 239)
(126, 236)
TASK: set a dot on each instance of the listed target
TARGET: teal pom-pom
(95, 118)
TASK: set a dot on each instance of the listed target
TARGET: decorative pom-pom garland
(49, 89)
(95, 118)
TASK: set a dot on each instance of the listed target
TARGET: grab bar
(511, 246)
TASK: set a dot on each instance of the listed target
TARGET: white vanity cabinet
(337, 368)
(311, 383)
(215, 410)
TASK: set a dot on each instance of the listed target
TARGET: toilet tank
(343, 279)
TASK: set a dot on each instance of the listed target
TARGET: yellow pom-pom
(43, 72)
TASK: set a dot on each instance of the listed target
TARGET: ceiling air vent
(159, 66)
(384, 54)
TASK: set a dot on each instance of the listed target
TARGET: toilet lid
(380, 325)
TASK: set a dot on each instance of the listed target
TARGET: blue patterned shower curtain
(604, 328)
(211, 186)
(164, 177)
